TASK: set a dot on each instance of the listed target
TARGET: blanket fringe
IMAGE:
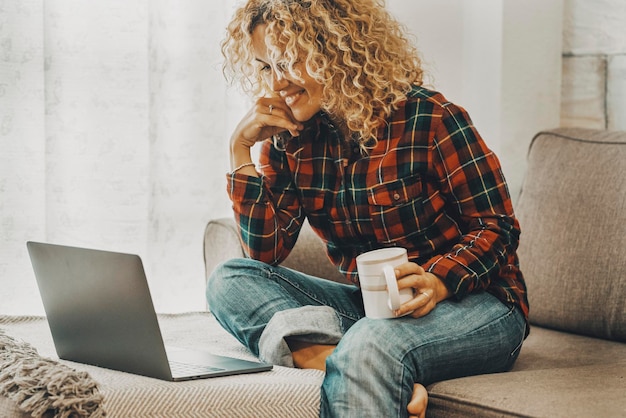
(41, 385)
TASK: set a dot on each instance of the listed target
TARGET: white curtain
(114, 125)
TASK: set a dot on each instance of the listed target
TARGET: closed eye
(263, 66)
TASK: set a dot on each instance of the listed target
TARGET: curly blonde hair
(354, 48)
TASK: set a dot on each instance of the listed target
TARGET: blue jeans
(372, 371)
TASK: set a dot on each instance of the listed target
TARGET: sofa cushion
(557, 374)
(550, 349)
(584, 391)
(572, 211)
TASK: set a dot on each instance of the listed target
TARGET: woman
(352, 142)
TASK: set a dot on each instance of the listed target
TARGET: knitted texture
(43, 386)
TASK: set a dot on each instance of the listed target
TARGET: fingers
(262, 122)
(277, 114)
(411, 275)
(421, 305)
(424, 285)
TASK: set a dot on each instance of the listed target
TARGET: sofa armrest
(221, 243)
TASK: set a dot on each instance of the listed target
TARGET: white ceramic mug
(379, 286)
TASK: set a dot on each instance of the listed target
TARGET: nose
(278, 81)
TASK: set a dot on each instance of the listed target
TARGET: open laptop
(100, 312)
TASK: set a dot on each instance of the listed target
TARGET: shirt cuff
(244, 188)
(454, 275)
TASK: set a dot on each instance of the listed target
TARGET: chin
(304, 115)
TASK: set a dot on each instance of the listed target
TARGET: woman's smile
(291, 98)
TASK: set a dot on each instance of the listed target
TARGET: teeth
(289, 100)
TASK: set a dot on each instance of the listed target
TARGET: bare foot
(308, 355)
(418, 403)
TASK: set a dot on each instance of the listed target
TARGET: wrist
(239, 155)
(242, 166)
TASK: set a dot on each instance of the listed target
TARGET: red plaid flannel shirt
(430, 185)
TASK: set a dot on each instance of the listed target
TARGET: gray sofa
(573, 253)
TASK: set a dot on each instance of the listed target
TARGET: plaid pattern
(430, 185)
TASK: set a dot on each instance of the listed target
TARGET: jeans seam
(400, 388)
(518, 347)
(304, 291)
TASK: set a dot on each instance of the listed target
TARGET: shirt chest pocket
(396, 209)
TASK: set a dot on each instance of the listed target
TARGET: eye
(265, 68)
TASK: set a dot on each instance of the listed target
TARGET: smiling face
(302, 95)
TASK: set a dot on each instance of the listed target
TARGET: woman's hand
(268, 116)
(429, 289)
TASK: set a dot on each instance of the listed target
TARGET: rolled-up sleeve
(266, 208)
(472, 181)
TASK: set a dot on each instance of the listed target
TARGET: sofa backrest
(572, 212)
(221, 243)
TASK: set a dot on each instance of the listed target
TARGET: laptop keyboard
(179, 368)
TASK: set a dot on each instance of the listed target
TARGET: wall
(594, 64)
(483, 55)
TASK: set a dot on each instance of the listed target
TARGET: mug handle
(392, 288)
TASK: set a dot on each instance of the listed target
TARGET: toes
(419, 402)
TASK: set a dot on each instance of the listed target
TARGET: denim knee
(368, 343)
(215, 283)
(225, 281)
